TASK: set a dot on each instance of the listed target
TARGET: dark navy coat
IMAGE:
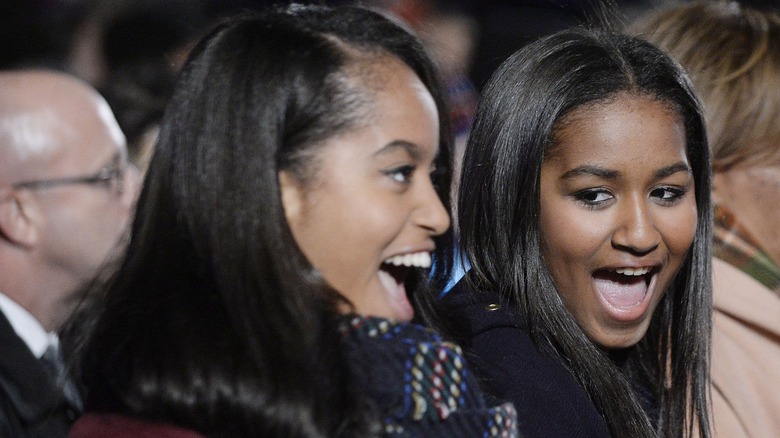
(549, 401)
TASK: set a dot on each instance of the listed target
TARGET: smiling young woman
(370, 212)
(618, 213)
(288, 217)
(584, 213)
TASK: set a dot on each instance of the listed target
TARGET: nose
(430, 213)
(636, 231)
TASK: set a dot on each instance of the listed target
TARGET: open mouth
(392, 275)
(624, 288)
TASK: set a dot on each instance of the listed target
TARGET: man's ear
(16, 224)
(292, 194)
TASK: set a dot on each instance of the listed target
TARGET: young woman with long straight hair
(297, 191)
(584, 212)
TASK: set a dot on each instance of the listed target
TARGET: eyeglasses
(111, 176)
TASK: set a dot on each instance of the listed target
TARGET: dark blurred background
(131, 50)
(91, 37)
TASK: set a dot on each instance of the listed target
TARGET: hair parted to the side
(522, 106)
(732, 54)
(215, 320)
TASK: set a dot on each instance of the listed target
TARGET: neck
(41, 294)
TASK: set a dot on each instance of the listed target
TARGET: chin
(617, 341)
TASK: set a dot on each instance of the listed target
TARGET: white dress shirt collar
(27, 327)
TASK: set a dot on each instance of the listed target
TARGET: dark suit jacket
(548, 399)
(31, 405)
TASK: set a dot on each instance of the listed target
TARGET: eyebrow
(591, 171)
(412, 149)
(672, 169)
(614, 174)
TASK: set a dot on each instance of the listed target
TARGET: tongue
(392, 286)
(620, 290)
(399, 303)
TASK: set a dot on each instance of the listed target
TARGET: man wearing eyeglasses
(66, 195)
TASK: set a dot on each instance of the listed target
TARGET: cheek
(680, 229)
(344, 236)
(570, 236)
(72, 215)
(570, 241)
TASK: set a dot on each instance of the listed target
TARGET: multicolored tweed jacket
(419, 382)
(735, 245)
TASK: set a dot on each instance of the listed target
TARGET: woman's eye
(401, 174)
(593, 197)
(668, 195)
(437, 176)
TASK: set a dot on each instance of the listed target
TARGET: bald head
(42, 113)
(60, 218)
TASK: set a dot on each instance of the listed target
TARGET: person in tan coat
(733, 56)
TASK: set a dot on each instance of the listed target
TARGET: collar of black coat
(23, 380)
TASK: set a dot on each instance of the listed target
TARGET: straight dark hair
(521, 108)
(215, 321)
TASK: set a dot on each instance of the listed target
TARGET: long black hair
(521, 108)
(215, 320)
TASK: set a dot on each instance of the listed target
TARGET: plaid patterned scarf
(734, 244)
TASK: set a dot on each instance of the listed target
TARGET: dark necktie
(51, 360)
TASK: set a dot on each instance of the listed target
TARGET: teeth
(632, 272)
(418, 259)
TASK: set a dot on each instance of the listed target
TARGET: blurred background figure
(732, 53)
(66, 194)
(132, 51)
(143, 47)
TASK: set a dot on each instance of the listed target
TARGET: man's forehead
(46, 142)
(28, 134)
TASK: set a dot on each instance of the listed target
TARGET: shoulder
(742, 298)
(745, 354)
(418, 381)
(510, 365)
(487, 326)
(726, 276)
(393, 354)
(475, 311)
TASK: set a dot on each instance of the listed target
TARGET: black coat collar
(27, 387)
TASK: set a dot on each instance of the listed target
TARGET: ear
(16, 224)
(293, 194)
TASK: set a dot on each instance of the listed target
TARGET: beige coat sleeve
(745, 356)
